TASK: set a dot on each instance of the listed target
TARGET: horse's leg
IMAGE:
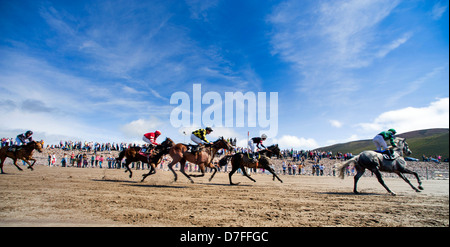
(245, 173)
(273, 173)
(360, 171)
(405, 170)
(152, 171)
(1, 164)
(202, 170)
(15, 163)
(214, 173)
(407, 181)
(380, 180)
(170, 168)
(30, 166)
(127, 166)
(183, 166)
(233, 170)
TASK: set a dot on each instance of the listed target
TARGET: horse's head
(36, 145)
(275, 150)
(402, 146)
(167, 143)
(222, 143)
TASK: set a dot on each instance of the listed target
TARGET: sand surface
(70, 196)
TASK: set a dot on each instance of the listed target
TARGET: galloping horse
(156, 158)
(203, 158)
(133, 154)
(376, 162)
(241, 160)
(25, 153)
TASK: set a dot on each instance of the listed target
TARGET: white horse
(376, 162)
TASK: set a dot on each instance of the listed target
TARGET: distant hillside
(429, 142)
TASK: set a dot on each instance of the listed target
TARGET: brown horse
(25, 153)
(133, 154)
(203, 158)
(156, 158)
(242, 160)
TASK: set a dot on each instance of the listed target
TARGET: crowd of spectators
(101, 155)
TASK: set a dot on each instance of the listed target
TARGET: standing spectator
(64, 160)
(100, 161)
(109, 159)
(294, 168)
(53, 161)
(92, 160)
(85, 161)
(300, 169)
(49, 159)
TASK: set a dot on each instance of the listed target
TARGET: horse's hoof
(393, 194)
(421, 188)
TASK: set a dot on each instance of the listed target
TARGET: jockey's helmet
(393, 131)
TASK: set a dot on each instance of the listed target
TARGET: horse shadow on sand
(335, 193)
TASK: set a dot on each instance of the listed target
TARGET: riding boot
(389, 153)
(253, 158)
(13, 148)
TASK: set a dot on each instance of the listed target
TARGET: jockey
(256, 142)
(21, 139)
(25, 138)
(150, 138)
(380, 141)
(199, 136)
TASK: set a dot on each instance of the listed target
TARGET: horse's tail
(224, 160)
(341, 168)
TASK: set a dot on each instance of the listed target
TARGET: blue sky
(106, 70)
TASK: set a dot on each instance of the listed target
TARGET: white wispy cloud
(290, 141)
(335, 123)
(438, 10)
(435, 115)
(325, 41)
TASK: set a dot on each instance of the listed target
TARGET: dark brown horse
(24, 152)
(158, 153)
(133, 154)
(203, 158)
(242, 160)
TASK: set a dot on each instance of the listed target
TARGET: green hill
(429, 142)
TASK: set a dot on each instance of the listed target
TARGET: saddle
(254, 157)
(196, 148)
(14, 148)
(386, 155)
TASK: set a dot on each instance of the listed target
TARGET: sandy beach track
(68, 196)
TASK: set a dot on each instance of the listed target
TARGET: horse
(25, 153)
(376, 162)
(133, 154)
(156, 158)
(241, 160)
(203, 158)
